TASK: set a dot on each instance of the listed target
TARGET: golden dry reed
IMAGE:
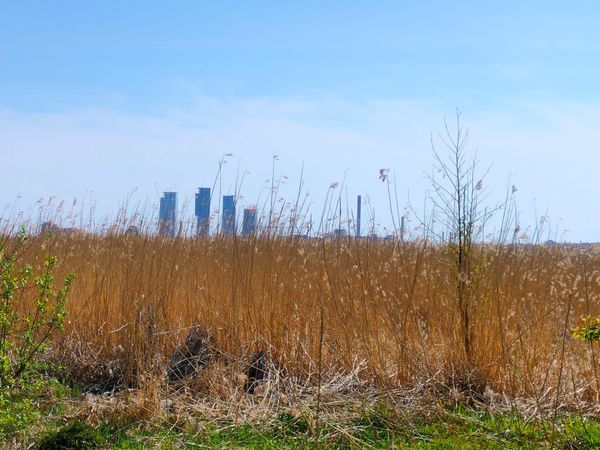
(388, 306)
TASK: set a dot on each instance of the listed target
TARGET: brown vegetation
(389, 310)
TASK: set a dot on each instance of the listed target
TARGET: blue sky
(112, 97)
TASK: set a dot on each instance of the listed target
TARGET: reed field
(383, 313)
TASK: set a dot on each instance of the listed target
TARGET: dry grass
(390, 317)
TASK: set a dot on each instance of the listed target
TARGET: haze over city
(101, 102)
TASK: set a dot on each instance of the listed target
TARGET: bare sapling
(458, 196)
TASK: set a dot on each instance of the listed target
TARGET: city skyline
(170, 224)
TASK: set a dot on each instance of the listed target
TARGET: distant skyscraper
(228, 219)
(202, 211)
(167, 215)
(403, 227)
(249, 224)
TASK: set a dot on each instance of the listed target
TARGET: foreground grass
(45, 415)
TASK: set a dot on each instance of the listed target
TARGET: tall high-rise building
(249, 224)
(202, 211)
(167, 214)
(228, 218)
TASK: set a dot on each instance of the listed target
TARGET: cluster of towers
(167, 223)
(167, 216)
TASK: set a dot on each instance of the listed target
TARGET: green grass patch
(460, 429)
(75, 435)
(34, 405)
(39, 413)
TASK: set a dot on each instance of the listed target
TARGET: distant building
(132, 230)
(249, 224)
(228, 218)
(202, 211)
(167, 215)
(358, 214)
(49, 228)
(339, 233)
(402, 227)
(336, 233)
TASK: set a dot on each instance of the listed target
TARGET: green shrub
(31, 310)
